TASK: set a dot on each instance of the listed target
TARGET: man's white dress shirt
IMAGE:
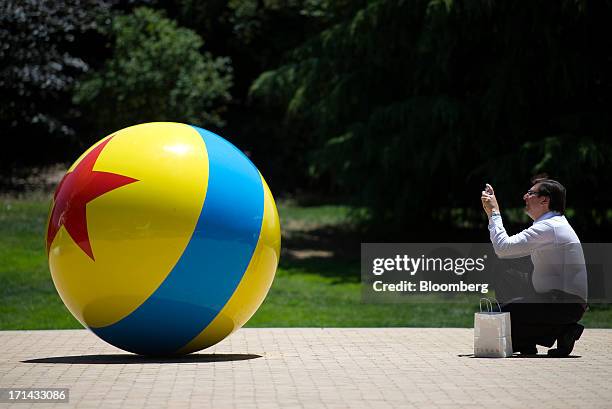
(555, 250)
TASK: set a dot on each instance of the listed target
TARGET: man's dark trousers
(536, 318)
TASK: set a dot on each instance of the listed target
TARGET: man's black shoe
(565, 342)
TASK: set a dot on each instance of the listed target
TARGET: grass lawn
(317, 283)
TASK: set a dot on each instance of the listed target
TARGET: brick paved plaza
(295, 367)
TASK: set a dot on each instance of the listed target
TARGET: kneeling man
(555, 298)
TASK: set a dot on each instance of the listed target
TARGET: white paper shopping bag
(492, 333)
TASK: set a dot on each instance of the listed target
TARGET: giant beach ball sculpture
(163, 239)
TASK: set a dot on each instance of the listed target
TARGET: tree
(257, 35)
(41, 58)
(157, 72)
(410, 107)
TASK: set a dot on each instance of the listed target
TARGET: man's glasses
(535, 192)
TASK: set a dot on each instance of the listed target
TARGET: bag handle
(489, 304)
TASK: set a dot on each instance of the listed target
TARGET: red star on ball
(76, 189)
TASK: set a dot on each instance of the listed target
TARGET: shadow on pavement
(525, 356)
(137, 359)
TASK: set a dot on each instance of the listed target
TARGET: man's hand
(489, 202)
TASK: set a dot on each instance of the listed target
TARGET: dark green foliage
(257, 34)
(41, 57)
(156, 73)
(410, 107)
(405, 107)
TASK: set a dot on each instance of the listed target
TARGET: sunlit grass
(310, 292)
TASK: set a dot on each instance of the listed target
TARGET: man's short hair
(554, 190)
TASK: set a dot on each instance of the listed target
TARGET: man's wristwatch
(494, 212)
